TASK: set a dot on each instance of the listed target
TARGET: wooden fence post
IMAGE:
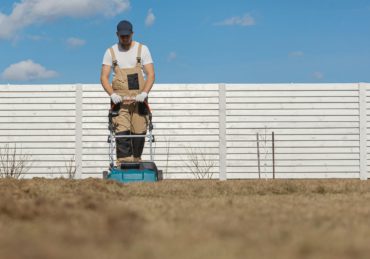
(258, 156)
(363, 131)
(273, 155)
(222, 131)
(78, 132)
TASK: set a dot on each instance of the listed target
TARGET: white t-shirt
(127, 58)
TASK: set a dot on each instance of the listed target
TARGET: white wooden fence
(321, 130)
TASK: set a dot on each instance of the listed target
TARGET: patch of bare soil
(93, 218)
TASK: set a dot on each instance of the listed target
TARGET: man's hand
(115, 98)
(141, 97)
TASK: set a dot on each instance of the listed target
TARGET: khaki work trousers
(130, 122)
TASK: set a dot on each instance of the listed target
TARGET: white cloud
(318, 75)
(246, 20)
(27, 70)
(75, 42)
(172, 56)
(150, 18)
(297, 53)
(28, 12)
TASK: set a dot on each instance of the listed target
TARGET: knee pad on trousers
(123, 145)
(138, 145)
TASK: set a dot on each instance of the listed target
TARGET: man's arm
(150, 77)
(104, 79)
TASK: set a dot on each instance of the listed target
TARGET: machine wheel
(160, 175)
(105, 174)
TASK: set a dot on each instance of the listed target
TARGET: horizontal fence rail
(218, 131)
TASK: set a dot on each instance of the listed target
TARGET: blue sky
(193, 41)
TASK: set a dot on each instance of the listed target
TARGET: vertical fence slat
(363, 131)
(78, 129)
(222, 131)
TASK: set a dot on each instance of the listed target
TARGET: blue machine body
(135, 172)
(132, 175)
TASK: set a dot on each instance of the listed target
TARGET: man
(131, 61)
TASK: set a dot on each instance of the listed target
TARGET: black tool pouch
(114, 110)
(143, 109)
(133, 81)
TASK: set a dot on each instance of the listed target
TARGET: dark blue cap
(124, 28)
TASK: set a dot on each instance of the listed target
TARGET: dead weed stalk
(71, 167)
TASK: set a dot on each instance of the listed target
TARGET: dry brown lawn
(99, 219)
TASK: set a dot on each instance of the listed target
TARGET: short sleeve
(146, 57)
(107, 59)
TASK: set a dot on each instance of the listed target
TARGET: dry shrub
(199, 164)
(13, 163)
